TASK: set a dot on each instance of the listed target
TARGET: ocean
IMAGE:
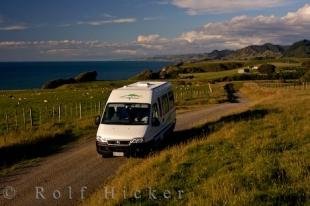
(30, 75)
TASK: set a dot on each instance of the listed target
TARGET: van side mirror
(97, 120)
(155, 122)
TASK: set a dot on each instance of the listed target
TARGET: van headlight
(101, 139)
(137, 140)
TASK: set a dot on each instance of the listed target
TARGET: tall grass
(249, 160)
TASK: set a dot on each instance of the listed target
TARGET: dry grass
(258, 160)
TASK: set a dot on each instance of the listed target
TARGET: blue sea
(28, 75)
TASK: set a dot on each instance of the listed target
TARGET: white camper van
(135, 118)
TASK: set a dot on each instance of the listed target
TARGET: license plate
(118, 154)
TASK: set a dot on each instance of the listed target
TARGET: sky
(65, 30)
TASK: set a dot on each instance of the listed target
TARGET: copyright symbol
(9, 192)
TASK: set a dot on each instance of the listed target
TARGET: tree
(306, 77)
(267, 69)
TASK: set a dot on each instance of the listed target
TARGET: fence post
(7, 122)
(76, 110)
(71, 112)
(99, 107)
(30, 116)
(16, 120)
(59, 113)
(65, 112)
(80, 110)
(53, 112)
(24, 118)
(40, 117)
(95, 108)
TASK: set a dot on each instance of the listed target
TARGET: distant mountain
(258, 51)
(216, 54)
(298, 49)
(179, 57)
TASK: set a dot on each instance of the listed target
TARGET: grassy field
(207, 76)
(73, 108)
(258, 157)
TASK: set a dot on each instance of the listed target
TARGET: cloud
(148, 38)
(238, 32)
(112, 21)
(301, 16)
(245, 30)
(13, 28)
(162, 2)
(64, 25)
(153, 18)
(194, 7)
(107, 15)
(125, 51)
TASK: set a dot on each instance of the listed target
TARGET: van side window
(160, 108)
(155, 111)
(165, 103)
(171, 99)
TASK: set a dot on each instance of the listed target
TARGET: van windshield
(126, 114)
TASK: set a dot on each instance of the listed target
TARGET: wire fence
(18, 118)
(29, 118)
(287, 85)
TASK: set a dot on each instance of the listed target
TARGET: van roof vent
(143, 84)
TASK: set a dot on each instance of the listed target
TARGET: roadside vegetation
(257, 157)
(51, 119)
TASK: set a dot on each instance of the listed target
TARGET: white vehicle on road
(136, 117)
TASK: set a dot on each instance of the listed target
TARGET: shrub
(306, 77)
(267, 69)
(86, 76)
(306, 64)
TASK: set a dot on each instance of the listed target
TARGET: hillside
(258, 51)
(258, 157)
(299, 49)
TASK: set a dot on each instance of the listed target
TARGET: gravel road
(64, 178)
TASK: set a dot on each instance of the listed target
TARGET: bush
(306, 64)
(86, 76)
(83, 77)
(306, 77)
(267, 69)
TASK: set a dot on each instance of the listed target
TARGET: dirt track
(67, 172)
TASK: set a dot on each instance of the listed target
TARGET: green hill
(258, 157)
(299, 49)
(258, 51)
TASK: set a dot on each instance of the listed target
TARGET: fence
(27, 118)
(294, 85)
(190, 92)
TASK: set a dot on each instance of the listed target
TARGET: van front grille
(118, 142)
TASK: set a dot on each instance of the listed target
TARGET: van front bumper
(128, 150)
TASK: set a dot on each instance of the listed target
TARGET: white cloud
(153, 18)
(245, 30)
(148, 38)
(194, 7)
(301, 16)
(107, 15)
(125, 51)
(235, 33)
(13, 28)
(112, 21)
